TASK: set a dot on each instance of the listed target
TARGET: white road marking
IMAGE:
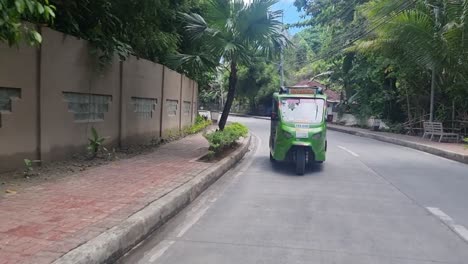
(193, 220)
(195, 214)
(159, 250)
(247, 165)
(199, 212)
(349, 151)
(458, 229)
(441, 215)
(461, 231)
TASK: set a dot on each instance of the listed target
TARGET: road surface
(370, 203)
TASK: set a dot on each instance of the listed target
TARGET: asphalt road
(370, 203)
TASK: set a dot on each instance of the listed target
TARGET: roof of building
(332, 96)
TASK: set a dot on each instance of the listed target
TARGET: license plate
(302, 134)
(302, 126)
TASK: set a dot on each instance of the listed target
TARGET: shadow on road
(287, 169)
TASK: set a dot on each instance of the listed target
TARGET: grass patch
(200, 124)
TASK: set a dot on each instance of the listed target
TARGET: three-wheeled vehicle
(298, 127)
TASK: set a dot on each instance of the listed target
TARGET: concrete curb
(429, 149)
(115, 242)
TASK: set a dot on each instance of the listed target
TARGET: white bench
(436, 129)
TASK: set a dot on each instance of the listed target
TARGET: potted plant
(214, 116)
(375, 123)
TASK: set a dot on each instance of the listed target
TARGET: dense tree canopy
(234, 34)
(145, 28)
(12, 14)
(386, 55)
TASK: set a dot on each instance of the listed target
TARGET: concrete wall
(19, 127)
(171, 102)
(141, 90)
(67, 67)
(351, 120)
(63, 94)
(186, 104)
(195, 101)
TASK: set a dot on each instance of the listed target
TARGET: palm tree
(233, 33)
(429, 34)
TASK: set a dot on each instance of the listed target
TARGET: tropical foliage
(200, 38)
(387, 55)
(234, 33)
(390, 58)
(257, 83)
(12, 30)
(221, 140)
(147, 28)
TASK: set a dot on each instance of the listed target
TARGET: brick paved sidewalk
(458, 148)
(44, 222)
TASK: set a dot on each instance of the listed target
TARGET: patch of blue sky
(291, 15)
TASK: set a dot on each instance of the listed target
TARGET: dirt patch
(15, 181)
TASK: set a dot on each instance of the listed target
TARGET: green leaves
(12, 15)
(95, 143)
(19, 5)
(222, 140)
(36, 36)
(235, 31)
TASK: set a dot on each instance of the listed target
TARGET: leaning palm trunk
(230, 96)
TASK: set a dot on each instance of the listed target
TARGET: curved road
(371, 202)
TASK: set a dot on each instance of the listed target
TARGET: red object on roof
(332, 96)
(310, 84)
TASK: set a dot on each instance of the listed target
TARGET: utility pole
(434, 70)
(282, 68)
(282, 54)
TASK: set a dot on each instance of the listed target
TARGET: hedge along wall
(51, 96)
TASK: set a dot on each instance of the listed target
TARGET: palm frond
(234, 31)
(192, 64)
(196, 26)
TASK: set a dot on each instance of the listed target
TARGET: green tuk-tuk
(298, 127)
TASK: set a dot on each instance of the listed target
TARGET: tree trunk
(230, 96)
(408, 107)
(433, 86)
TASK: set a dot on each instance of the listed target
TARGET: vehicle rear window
(302, 110)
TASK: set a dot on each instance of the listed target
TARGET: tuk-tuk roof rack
(286, 89)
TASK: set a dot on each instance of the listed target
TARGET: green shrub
(200, 124)
(200, 119)
(396, 128)
(221, 140)
(29, 167)
(237, 129)
(95, 143)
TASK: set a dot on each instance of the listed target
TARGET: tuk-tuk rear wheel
(300, 161)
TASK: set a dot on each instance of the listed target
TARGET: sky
(290, 13)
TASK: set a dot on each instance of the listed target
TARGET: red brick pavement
(44, 222)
